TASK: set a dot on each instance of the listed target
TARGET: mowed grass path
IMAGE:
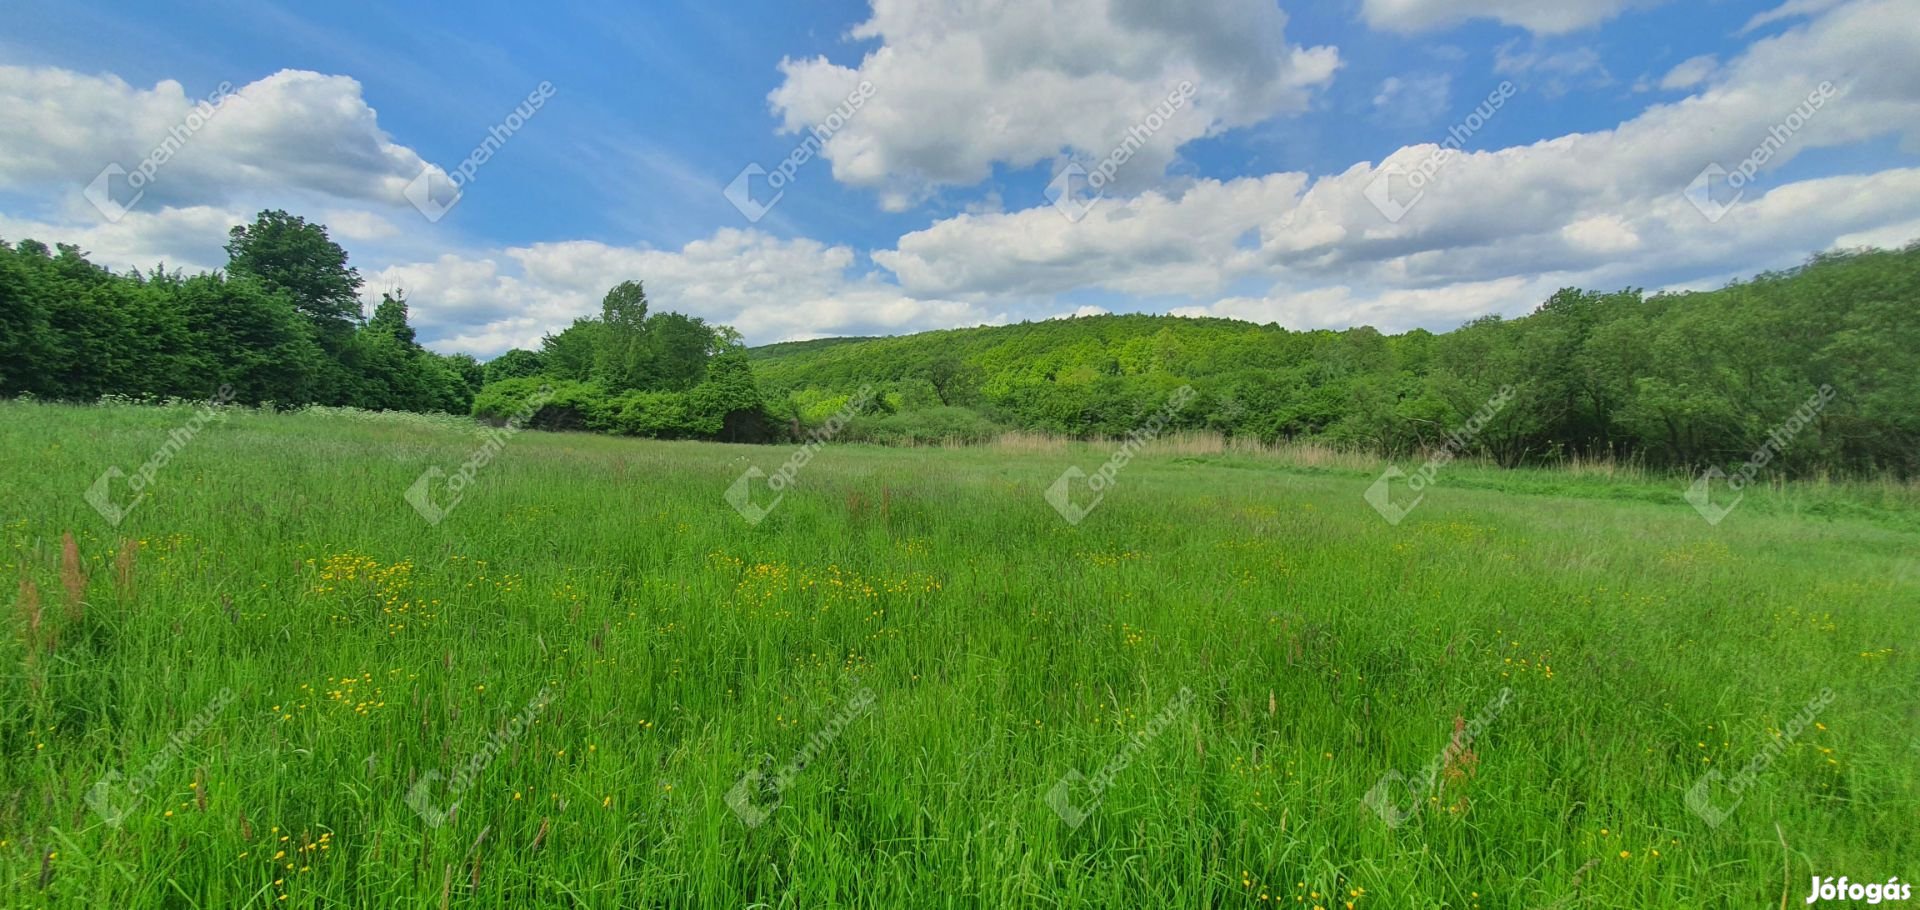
(1003, 648)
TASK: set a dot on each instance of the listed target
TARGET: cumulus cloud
(769, 288)
(961, 87)
(1391, 310)
(1151, 244)
(293, 131)
(191, 239)
(1600, 208)
(1495, 231)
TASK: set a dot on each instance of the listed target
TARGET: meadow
(1232, 684)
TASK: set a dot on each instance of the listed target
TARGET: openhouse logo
(1700, 191)
(453, 487)
(420, 797)
(740, 493)
(115, 509)
(114, 203)
(434, 192)
(1700, 494)
(1379, 190)
(1075, 190)
(1060, 494)
(740, 190)
(1380, 494)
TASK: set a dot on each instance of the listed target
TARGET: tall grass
(624, 651)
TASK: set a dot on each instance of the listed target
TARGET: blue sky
(930, 206)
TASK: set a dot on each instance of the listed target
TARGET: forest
(1668, 380)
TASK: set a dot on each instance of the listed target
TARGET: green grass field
(612, 673)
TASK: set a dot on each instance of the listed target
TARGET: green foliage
(939, 425)
(573, 353)
(273, 329)
(1681, 380)
(546, 404)
(725, 406)
(513, 365)
(636, 373)
(290, 256)
(390, 317)
(1666, 381)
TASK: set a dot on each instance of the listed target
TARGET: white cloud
(1497, 230)
(357, 224)
(1599, 209)
(191, 239)
(1792, 9)
(1552, 17)
(1394, 310)
(1690, 72)
(961, 87)
(768, 288)
(291, 132)
(1151, 244)
(1081, 312)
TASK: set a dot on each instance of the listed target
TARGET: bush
(662, 415)
(568, 405)
(933, 426)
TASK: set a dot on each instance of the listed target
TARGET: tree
(728, 405)
(623, 359)
(390, 316)
(515, 364)
(678, 348)
(290, 256)
(573, 353)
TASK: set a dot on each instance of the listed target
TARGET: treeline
(1666, 380)
(632, 373)
(282, 325)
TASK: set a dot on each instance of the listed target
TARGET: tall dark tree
(390, 316)
(287, 254)
(624, 359)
